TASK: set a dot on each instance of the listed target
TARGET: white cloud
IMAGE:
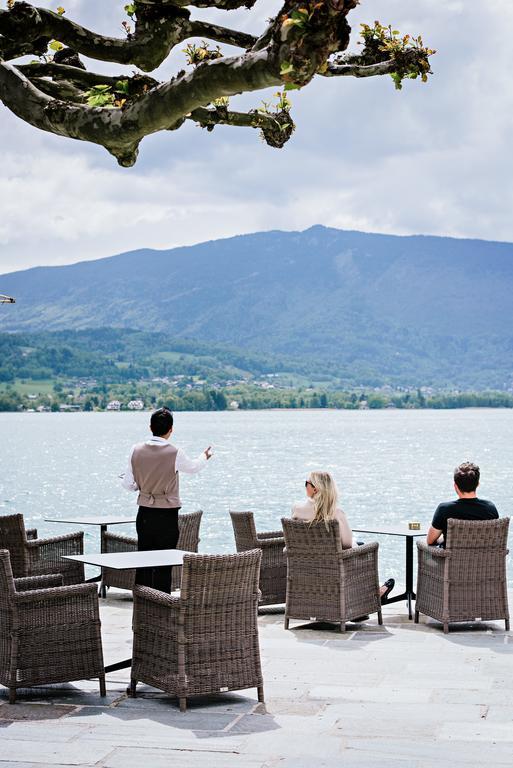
(434, 158)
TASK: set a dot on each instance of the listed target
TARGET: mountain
(379, 308)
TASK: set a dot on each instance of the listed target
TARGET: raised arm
(192, 466)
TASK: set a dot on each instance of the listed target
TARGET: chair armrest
(31, 533)
(56, 593)
(26, 583)
(267, 543)
(362, 551)
(270, 535)
(116, 542)
(67, 544)
(431, 551)
(78, 536)
(155, 596)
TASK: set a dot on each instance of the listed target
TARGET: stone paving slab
(402, 695)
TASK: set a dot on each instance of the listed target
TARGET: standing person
(153, 470)
(466, 507)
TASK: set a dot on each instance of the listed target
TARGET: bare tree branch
(360, 70)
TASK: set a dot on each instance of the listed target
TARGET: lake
(390, 466)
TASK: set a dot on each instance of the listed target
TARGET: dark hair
(466, 477)
(161, 421)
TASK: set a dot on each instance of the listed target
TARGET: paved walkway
(400, 695)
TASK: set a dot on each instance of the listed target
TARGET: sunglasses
(307, 482)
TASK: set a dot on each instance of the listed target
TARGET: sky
(433, 158)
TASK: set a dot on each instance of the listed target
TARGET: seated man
(466, 507)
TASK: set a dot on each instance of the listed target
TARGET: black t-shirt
(463, 509)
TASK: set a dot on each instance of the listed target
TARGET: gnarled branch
(306, 38)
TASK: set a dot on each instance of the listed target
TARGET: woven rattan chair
(466, 581)
(31, 556)
(206, 640)
(273, 571)
(188, 540)
(326, 582)
(49, 633)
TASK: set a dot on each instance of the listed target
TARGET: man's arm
(190, 466)
(127, 480)
(433, 535)
(437, 526)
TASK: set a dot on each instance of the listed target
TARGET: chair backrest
(477, 535)
(312, 541)
(6, 580)
(188, 527)
(244, 530)
(218, 588)
(13, 538)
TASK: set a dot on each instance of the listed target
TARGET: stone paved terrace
(398, 695)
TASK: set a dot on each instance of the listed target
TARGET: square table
(104, 523)
(409, 535)
(154, 558)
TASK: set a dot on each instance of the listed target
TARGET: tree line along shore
(27, 397)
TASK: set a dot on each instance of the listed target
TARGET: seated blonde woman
(321, 505)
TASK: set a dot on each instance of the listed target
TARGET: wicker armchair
(188, 540)
(466, 580)
(273, 571)
(206, 640)
(31, 556)
(326, 582)
(49, 633)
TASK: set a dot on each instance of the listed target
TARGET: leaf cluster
(409, 53)
(108, 96)
(197, 54)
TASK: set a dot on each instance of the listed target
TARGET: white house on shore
(135, 405)
(114, 405)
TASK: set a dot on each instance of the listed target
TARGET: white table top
(91, 520)
(393, 530)
(154, 558)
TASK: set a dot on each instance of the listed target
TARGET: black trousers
(156, 529)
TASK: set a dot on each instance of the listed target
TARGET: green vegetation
(87, 370)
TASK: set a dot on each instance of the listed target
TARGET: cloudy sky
(432, 158)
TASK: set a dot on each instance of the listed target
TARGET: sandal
(389, 584)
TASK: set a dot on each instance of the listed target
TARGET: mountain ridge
(432, 308)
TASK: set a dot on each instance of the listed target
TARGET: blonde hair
(326, 499)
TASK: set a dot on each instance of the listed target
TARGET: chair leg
(103, 689)
(416, 617)
(380, 617)
(12, 695)
(506, 623)
(183, 704)
(446, 628)
(286, 623)
(343, 626)
(260, 690)
(131, 692)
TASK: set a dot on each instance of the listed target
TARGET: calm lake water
(391, 466)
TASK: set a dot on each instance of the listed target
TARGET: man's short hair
(466, 477)
(161, 421)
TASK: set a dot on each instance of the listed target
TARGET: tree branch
(147, 48)
(360, 70)
(221, 34)
(306, 38)
(121, 130)
(79, 76)
(223, 5)
(276, 128)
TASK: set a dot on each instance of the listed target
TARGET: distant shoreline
(280, 409)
